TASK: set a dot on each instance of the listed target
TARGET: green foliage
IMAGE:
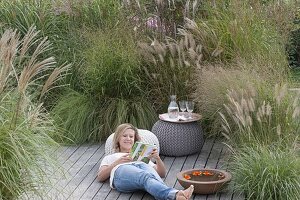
(93, 14)
(22, 148)
(169, 67)
(229, 33)
(293, 47)
(212, 84)
(112, 64)
(94, 120)
(267, 173)
(22, 15)
(75, 114)
(137, 111)
(157, 18)
(63, 22)
(26, 146)
(262, 116)
(112, 88)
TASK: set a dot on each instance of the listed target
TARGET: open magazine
(141, 151)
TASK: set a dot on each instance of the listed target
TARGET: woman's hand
(123, 159)
(154, 154)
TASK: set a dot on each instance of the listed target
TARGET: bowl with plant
(205, 181)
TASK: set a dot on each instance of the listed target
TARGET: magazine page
(141, 151)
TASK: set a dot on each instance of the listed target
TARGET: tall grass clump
(262, 116)
(212, 83)
(25, 127)
(63, 22)
(169, 67)
(21, 15)
(267, 173)
(91, 14)
(158, 18)
(112, 88)
(75, 114)
(237, 31)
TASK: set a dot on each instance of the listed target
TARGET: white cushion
(146, 136)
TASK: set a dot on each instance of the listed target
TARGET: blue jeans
(141, 176)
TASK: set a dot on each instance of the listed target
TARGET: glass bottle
(173, 109)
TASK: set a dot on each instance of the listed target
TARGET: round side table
(178, 138)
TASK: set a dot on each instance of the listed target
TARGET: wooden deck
(82, 162)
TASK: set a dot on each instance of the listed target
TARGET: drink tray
(182, 118)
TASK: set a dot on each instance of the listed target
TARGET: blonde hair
(118, 133)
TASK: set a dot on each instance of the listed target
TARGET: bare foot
(185, 194)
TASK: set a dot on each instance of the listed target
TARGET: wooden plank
(113, 195)
(214, 155)
(79, 164)
(89, 179)
(125, 196)
(93, 188)
(227, 193)
(63, 153)
(175, 168)
(93, 155)
(204, 154)
(57, 192)
(103, 192)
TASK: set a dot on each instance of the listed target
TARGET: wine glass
(182, 106)
(190, 108)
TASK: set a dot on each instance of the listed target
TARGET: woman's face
(126, 140)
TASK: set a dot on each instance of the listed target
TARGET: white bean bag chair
(146, 136)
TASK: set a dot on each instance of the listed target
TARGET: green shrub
(267, 173)
(212, 84)
(169, 67)
(75, 114)
(239, 31)
(93, 14)
(94, 120)
(262, 116)
(26, 146)
(293, 47)
(112, 64)
(112, 90)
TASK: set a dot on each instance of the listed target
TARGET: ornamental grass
(262, 116)
(266, 173)
(26, 146)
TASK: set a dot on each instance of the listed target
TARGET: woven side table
(178, 139)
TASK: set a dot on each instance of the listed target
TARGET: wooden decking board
(170, 180)
(82, 167)
(83, 177)
(103, 192)
(78, 165)
(204, 154)
(214, 155)
(82, 163)
(124, 196)
(59, 192)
